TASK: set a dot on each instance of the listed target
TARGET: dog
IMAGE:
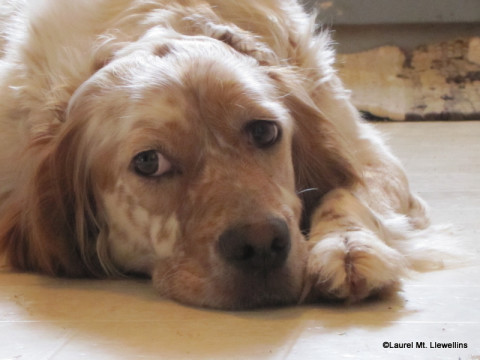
(207, 144)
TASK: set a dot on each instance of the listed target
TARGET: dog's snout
(262, 245)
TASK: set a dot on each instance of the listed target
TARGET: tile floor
(43, 318)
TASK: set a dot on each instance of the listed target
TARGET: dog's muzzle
(259, 246)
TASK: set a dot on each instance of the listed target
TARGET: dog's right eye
(151, 163)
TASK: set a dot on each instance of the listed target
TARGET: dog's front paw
(352, 266)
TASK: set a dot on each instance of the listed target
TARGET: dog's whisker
(306, 190)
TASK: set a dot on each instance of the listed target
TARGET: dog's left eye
(263, 133)
(151, 163)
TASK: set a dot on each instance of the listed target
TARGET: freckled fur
(87, 86)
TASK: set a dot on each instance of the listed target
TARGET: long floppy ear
(49, 223)
(208, 24)
(321, 156)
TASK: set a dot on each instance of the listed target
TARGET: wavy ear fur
(321, 156)
(206, 22)
(49, 223)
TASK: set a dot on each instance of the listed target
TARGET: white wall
(363, 24)
(396, 11)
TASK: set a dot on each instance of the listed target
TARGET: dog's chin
(231, 290)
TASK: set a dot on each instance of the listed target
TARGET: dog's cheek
(137, 236)
(164, 235)
(184, 281)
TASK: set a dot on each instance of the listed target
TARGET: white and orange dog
(199, 142)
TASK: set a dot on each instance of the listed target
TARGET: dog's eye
(151, 163)
(263, 133)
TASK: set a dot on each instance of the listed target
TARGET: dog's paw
(351, 266)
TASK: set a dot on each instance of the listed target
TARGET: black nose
(261, 245)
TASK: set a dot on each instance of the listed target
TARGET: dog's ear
(239, 39)
(322, 158)
(49, 223)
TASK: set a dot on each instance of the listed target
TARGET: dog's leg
(351, 234)
(348, 257)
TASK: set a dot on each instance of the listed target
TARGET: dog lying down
(199, 142)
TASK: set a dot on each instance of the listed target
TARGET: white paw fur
(352, 266)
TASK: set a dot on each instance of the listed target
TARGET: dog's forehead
(149, 101)
(206, 89)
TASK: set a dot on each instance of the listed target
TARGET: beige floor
(42, 318)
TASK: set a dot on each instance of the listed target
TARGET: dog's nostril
(279, 244)
(263, 245)
(244, 253)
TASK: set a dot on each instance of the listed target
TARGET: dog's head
(178, 159)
